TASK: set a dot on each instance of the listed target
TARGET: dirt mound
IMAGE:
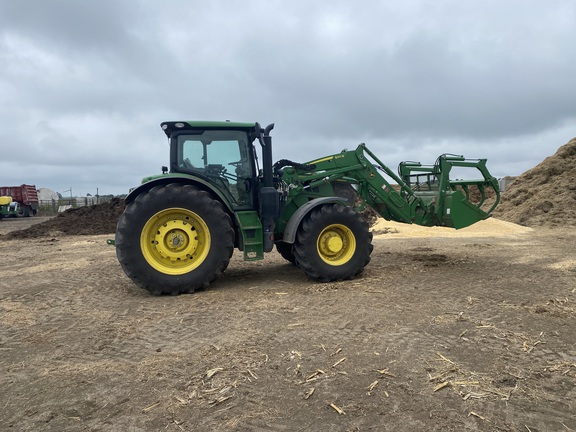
(545, 195)
(89, 220)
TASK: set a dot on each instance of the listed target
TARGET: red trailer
(25, 195)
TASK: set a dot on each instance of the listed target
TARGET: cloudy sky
(84, 85)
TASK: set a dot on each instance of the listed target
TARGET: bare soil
(445, 331)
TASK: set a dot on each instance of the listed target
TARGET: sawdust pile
(487, 228)
(544, 196)
(89, 220)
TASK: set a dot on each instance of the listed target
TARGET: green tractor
(180, 228)
(5, 206)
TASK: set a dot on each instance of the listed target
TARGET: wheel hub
(175, 241)
(332, 243)
(336, 244)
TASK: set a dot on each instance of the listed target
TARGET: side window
(192, 153)
(223, 158)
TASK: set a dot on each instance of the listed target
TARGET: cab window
(221, 156)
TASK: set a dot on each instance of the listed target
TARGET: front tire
(333, 243)
(174, 239)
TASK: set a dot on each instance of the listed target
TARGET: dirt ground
(472, 332)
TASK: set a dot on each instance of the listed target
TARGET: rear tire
(174, 239)
(24, 211)
(333, 243)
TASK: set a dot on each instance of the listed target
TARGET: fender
(165, 179)
(294, 222)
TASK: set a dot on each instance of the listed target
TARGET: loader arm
(444, 202)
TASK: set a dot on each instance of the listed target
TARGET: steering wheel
(215, 170)
(187, 164)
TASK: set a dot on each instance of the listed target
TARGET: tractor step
(252, 238)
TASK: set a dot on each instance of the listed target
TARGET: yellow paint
(175, 241)
(336, 244)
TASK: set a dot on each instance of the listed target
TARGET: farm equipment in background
(179, 229)
(6, 206)
(24, 200)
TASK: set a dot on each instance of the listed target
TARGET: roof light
(179, 125)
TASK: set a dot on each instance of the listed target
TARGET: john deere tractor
(180, 228)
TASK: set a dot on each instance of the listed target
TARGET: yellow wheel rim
(336, 244)
(175, 241)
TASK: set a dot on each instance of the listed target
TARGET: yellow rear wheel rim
(175, 241)
(336, 244)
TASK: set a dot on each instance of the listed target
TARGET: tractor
(180, 228)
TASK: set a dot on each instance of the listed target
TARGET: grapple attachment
(454, 203)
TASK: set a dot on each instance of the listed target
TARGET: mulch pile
(89, 220)
(544, 196)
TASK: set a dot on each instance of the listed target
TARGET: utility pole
(69, 190)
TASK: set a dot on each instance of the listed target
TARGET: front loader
(180, 228)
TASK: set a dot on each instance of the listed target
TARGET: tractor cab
(220, 153)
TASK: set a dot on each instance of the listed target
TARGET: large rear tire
(174, 239)
(333, 243)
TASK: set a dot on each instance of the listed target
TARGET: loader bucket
(456, 203)
(460, 213)
(470, 201)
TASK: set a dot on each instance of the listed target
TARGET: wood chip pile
(544, 196)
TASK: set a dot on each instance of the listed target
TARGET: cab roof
(170, 126)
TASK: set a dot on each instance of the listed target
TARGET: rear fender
(300, 214)
(179, 179)
(195, 181)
